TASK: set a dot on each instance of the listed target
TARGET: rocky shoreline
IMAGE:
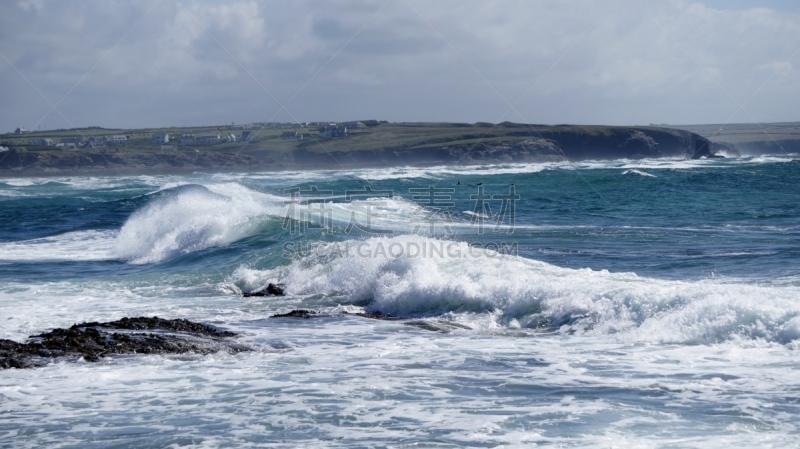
(94, 341)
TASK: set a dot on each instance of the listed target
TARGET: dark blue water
(631, 303)
(730, 219)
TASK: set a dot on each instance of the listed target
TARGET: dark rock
(298, 313)
(93, 341)
(271, 290)
(377, 316)
(444, 327)
(702, 149)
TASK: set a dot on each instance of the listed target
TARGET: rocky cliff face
(587, 142)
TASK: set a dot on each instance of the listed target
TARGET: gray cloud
(643, 61)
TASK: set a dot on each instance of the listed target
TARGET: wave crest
(538, 295)
(191, 218)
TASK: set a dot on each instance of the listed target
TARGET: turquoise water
(624, 303)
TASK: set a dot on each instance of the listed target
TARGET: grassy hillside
(752, 138)
(379, 144)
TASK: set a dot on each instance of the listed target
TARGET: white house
(209, 138)
(118, 139)
(230, 138)
(161, 137)
(333, 131)
(292, 135)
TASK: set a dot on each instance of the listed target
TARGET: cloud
(203, 62)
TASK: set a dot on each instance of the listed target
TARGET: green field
(752, 138)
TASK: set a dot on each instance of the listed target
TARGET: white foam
(638, 172)
(193, 218)
(70, 246)
(537, 295)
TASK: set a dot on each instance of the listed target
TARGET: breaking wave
(459, 281)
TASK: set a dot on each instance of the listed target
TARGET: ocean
(651, 303)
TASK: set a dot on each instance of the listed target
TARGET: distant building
(169, 147)
(42, 141)
(248, 135)
(96, 142)
(20, 130)
(246, 126)
(354, 125)
(209, 138)
(333, 131)
(188, 138)
(161, 137)
(118, 139)
(75, 140)
(292, 135)
(230, 138)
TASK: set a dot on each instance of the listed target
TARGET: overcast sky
(620, 62)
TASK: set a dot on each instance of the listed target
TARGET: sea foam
(534, 294)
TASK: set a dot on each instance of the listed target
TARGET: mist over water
(627, 295)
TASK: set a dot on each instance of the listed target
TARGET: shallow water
(628, 303)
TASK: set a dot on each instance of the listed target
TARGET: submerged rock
(271, 290)
(298, 313)
(94, 340)
(441, 326)
(377, 316)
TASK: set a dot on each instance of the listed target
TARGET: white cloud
(27, 5)
(645, 61)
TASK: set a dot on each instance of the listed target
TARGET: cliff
(377, 146)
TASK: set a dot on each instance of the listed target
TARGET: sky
(158, 63)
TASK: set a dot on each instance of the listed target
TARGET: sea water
(595, 304)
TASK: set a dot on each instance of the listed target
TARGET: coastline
(379, 146)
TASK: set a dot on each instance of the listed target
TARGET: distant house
(354, 125)
(75, 140)
(248, 135)
(292, 135)
(333, 131)
(96, 142)
(188, 138)
(209, 138)
(118, 139)
(161, 137)
(69, 146)
(230, 138)
(42, 141)
(169, 147)
(20, 130)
